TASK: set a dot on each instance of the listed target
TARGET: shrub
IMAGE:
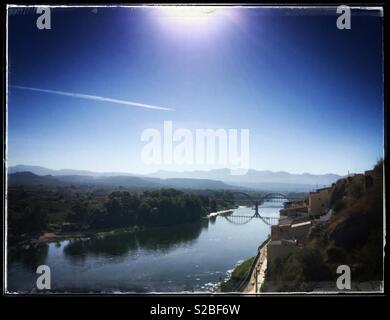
(339, 205)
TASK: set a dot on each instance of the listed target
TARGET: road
(261, 266)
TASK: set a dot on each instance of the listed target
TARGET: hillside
(254, 176)
(31, 179)
(353, 236)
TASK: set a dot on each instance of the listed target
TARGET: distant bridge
(244, 219)
(263, 202)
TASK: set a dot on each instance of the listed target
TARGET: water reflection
(29, 256)
(154, 240)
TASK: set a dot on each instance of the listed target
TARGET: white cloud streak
(95, 98)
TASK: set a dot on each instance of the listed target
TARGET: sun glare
(191, 16)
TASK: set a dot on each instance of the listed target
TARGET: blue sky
(311, 95)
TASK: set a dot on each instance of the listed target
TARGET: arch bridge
(265, 201)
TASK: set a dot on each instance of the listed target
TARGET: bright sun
(190, 16)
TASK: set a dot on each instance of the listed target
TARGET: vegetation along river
(191, 257)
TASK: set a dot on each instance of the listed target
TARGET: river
(185, 258)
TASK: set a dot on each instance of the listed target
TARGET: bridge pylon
(257, 208)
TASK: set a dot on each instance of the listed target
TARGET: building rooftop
(300, 224)
(281, 242)
(319, 190)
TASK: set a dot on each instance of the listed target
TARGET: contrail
(96, 98)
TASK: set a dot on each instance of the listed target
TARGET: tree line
(35, 213)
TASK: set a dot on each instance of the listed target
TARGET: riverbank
(217, 213)
(98, 233)
(49, 237)
(54, 236)
(243, 278)
(237, 276)
(257, 278)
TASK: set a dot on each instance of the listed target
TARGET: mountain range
(212, 179)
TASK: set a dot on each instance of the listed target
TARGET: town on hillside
(300, 221)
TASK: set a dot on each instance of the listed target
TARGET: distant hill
(42, 171)
(111, 181)
(197, 184)
(253, 176)
(260, 180)
(212, 179)
(31, 179)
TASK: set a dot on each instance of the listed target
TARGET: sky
(81, 94)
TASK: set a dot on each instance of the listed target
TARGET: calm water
(192, 257)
